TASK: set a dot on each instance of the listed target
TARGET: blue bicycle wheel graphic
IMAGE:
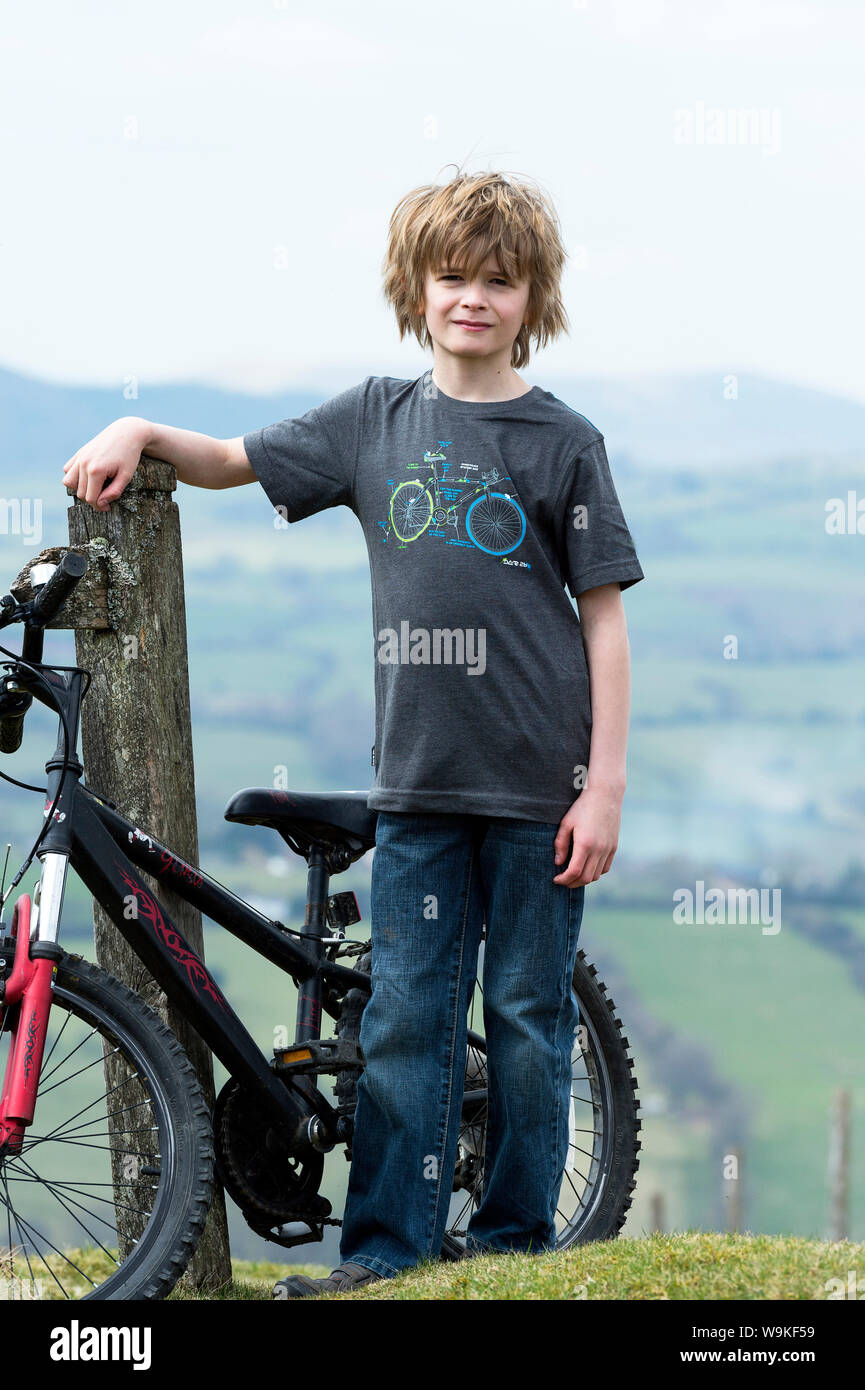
(496, 523)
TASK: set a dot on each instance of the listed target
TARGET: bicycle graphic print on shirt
(494, 520)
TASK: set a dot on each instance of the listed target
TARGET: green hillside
(745, 771)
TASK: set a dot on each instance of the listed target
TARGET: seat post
(315, 924)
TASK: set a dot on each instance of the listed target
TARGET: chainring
(271, 1185)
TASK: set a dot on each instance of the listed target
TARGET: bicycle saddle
(337, 818)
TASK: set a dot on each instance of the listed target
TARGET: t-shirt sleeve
(307, 464)
(597, 547)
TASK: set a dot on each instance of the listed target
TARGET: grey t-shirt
(475, 516)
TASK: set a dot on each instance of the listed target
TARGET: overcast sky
(202, 190)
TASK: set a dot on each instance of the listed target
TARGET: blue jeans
(436, 878)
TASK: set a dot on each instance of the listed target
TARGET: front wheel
(110, 1192)
(496, 523)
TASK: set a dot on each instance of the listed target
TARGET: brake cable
(25, 665)
(26, 786)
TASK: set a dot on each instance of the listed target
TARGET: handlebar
(35, 615)
(52, 596)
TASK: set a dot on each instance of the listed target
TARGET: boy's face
(451, 303)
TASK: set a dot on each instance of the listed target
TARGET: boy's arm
(595, 817)
(101, 469)
(608, 655)
(199, 459)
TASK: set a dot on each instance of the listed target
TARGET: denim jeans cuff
(370, 1262)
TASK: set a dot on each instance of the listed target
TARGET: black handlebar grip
(11, 731)
(53, 595)
(47, 603)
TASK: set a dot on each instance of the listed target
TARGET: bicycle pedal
(319, 1055)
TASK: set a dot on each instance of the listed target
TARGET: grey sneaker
(346, 1277)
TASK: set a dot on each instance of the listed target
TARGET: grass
(752, 1002)
(693, 1265)
(690, 1265)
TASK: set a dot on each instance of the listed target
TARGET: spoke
(63, 1182)
(136, 1211)
(576, 1193)
(581, 1151)
(571, 1181)
(82, 1144)
(82, 1132)
(462, 1212)
(47, 1059)
(59, 1183)
(43, 1075)
(85, 1108)
(9, 1236)
(97, 1061)
(97, 1133)
(10, 1212)
(569, 1176)
(68, 1208)
(31, 1228)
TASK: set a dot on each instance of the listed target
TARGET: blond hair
(463, 222)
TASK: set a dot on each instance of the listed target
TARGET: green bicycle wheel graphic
(411, 509)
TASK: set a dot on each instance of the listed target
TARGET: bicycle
(495, 521)
(125, 1149)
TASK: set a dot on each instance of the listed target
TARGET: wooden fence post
(839, 1164)
(136, 734)
(656, 1207)
(733, 1197)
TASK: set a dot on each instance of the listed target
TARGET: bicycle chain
(236, 1170)
(230, 1120)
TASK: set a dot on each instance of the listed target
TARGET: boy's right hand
(100, 471)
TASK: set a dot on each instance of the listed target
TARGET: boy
(479, 497)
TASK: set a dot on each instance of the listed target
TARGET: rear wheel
(411, 509)
(600, 1172)
(110, 1192)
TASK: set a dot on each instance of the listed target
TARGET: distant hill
(744, 767)
(755, 759)
(686, 420)
(672, 420)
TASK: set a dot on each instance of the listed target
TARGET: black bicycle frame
(104, 848)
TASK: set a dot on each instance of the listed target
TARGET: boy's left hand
(593, 821)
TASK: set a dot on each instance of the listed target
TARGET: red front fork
(28, 986)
